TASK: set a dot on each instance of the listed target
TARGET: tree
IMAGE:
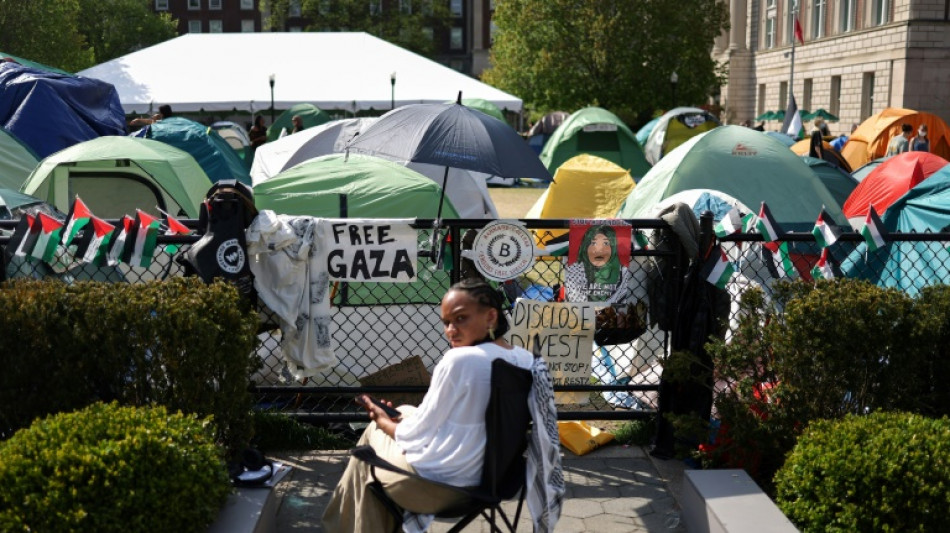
(45, 31)
(113, 28)
(615, 54)
(411, 24)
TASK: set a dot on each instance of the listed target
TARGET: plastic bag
(579, 437)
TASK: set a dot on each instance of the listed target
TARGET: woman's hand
(378, 414)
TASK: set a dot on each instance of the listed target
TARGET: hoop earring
(491, 333)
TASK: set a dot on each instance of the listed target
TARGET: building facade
(463, 46)
(858, 58)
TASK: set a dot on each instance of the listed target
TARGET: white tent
(333, 70)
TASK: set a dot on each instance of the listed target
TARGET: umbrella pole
(438, 220)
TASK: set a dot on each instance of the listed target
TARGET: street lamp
(271, 80)
(674, 79)
(392, 94)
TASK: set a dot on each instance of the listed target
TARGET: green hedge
(112, 469)
(178, 343)
(882, 472)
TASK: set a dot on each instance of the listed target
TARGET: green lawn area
(514, 202)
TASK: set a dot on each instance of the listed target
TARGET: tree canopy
(615, 54)
(77, 34)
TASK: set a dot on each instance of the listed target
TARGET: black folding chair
(508, 420)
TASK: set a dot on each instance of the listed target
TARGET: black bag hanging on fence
(221, 252)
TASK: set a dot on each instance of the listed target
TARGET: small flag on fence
(93, 244)
(141, 240)
(718, 269)
(77, 218)
(781, 260)
(117, 244)
(731, 223)
(822, 269)
(640, 240)
(48, 240)
(24, 236)
(873, 230)
(825, 231)
(175, 228)
(557, 246)
(766, 225)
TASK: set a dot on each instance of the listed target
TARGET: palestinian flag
(640, 240)
(781, 261)
(92, 246)
(117, 244)
(718, 270)
(175, 228)
(822, 269)
(141, 240)
(748, 222)
(557, 246)
(873, 230)
(77, 218)
(730, 224)
(24, 236)
(825, 231)
(48, 239)
(766, 225)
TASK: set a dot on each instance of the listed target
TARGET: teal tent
(838, 182)
(861, 172)
(215, 156)
(743, 163)
(644, 133)
(310, 114)
(17, 160)
(909, 265)
(341, 186)
(599, 132)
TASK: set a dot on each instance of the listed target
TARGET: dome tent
(17, 161)
(673, 128)
(310, 114)
(870, 140)
(595, 131)
(888, 182)
(215, 156)
(585, 186)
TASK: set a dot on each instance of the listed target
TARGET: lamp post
(271, 80)
(674, 79)
(392, 94)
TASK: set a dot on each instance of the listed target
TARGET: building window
(455, 39)
(880, 12)
(867, 95)
(215, 26)
(194, 4)
(847, 15)
(214, 4)
(770, 3)
(161, 5)
(293, 9)
(806, 95)
(375, 7)
(194, 26)
(783, 95)
(770, 31)
(818, 13)
(247, 4)
(247, 26)
(405, 7)
(761, 102)
(456, 7)
(835, 103)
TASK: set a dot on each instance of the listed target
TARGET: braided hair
(483, 293)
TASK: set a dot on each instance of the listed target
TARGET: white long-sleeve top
(444, 439)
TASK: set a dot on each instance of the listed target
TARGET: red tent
(889, 181)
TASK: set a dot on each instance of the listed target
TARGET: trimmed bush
(882, 472)
(112, 469)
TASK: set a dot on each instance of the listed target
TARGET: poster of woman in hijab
(598, 261)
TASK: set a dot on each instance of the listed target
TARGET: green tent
(599, 132)
(213, 154)
(480, 104)
(743, 163)
(366, 187)
(309, 113)
(116, 175)
(16, 160)
(838, 182)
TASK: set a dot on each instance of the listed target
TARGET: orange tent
(870, 140)
(828, 153)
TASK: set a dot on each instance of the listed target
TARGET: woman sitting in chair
(444, 438)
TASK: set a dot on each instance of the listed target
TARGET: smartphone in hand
(391, 412)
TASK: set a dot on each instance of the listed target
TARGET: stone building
(858, 57)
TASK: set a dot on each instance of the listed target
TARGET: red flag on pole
(799, 35)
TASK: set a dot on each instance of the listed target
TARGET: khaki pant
(354, 509)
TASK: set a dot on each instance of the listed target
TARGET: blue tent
(644, 133)
(49, 111)
(213, 154)
(839, 183)
(909, 265)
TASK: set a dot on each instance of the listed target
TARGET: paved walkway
(615, 489)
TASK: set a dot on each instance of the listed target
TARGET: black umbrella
(452, 136)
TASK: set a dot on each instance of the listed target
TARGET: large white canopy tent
(224, 72)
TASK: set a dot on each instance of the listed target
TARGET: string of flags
(718, 268)
(84, 238)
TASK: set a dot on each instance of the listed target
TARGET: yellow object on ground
(579, 437)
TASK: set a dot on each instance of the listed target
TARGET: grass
(514, 202)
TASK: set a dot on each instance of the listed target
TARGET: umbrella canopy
(482, 105)
(768, 115)
(820, 113)
(889, 181)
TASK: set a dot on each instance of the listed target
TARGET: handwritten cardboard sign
(371, 250)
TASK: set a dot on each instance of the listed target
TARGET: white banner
(376, 250)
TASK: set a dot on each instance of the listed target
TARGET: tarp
(332, 70)
(115, 175)
(744, 164)
(889, 181)
(212, 152)
(585, 186)
(49, 111)
(673, 129)
(16, 160)
(870, 140)
(310, 115)
(595, 131)
(838, 182)
(909, 265)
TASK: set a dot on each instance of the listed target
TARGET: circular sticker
(230, 256)
(503, 250)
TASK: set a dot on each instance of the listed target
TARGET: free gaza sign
(374, 250)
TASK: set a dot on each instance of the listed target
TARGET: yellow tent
(869, 141)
